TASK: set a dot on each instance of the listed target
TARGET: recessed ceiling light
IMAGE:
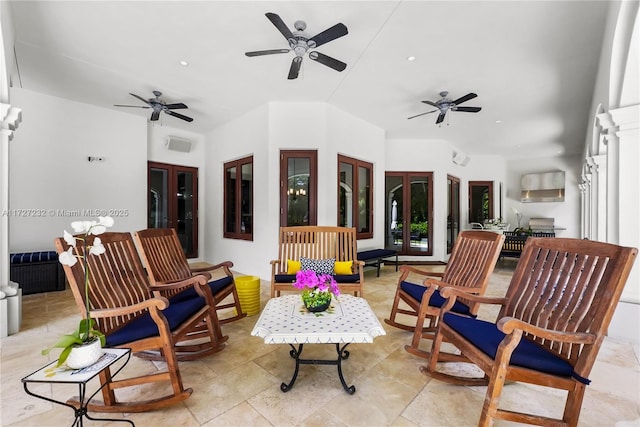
(411, 58)
(498, 121)
(184, 63)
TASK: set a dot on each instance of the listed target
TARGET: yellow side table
(248, 288)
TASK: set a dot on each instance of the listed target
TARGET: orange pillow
(293, 266)
(342, 267)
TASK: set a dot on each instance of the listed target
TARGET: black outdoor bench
(374, 257)
(37, 272)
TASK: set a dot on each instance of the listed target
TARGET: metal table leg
(343, 354)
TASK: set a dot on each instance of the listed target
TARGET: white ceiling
(532, 64)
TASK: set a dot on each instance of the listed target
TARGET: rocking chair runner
(130, 316)
(470, 265)
(166, 263)
(551, 324)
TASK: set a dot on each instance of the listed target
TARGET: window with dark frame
(355, 195)
(298, 187)
(238, 199)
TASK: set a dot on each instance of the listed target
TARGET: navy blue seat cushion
(436, 300)
(214, 285)
(487, 337)
(285, 278)
(28, 257)
(375, 253)
(347, 278)
(145, 327)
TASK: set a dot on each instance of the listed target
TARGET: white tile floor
(240, 385)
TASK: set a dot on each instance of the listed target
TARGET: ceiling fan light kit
(300, 42)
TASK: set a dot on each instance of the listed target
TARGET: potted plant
(83, 346)
(319, 290)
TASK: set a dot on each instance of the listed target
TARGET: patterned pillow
(320, 266)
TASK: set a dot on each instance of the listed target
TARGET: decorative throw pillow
(320, 266)
(342, 267)
(293, 266)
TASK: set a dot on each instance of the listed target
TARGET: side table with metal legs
(51, 374)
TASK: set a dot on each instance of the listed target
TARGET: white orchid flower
(107, 221)
(82, 226)
(68, 258)
(97, 248)
(97, 229)
(68, 237)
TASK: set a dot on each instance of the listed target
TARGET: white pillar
(10, 117)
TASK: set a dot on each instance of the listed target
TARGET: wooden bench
(375, 257)
(318, 243)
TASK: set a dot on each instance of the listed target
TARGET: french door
(173, 202)
(409, 212)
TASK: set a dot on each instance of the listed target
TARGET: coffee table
(284, 320)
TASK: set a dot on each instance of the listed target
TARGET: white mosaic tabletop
(284, 320)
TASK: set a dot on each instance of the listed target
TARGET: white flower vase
(84, 355)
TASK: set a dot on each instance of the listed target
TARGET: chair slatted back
(116, 278)
(163, 255)
(472, 261)
(316, 242)
(570, 285)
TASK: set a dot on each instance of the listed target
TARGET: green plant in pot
(86, 332)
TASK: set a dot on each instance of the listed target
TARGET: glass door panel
(394, 212)
(453, 214)
(364, 201)
(419, 198)
(158, 198)
(346, 195)
(185, 214)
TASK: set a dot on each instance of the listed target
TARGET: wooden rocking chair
(548, 332)
(470, 265)
(166, 263)
(127, 312)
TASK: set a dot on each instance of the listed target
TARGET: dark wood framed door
(173, 202)
(409, 212)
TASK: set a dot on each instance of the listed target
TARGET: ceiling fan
(300, 42)
(158, 106)
(445, 104)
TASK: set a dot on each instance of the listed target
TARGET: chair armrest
(408, 269)
(196, 281)
(509, 324)
(159, 303)
(451, 293)
(225, 264)
(439, 284)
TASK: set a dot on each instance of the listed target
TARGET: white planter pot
(84, 355)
